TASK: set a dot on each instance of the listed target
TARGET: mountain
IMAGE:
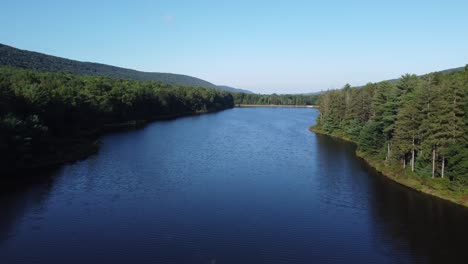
(447, 71)
(234, 90)
(10, 56)
(313, 93)
(442, 71)
(453, 70)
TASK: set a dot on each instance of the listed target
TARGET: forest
(417, 126)
(10, 56)
(274, 99)
(44, 116)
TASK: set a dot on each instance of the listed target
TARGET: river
(245, 185)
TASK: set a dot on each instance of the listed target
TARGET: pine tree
(384, 111)
(406, 135)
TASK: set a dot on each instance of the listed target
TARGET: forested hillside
(24, 59)
(417, 126)
(274, 99)
(232, 89)
(45, 116)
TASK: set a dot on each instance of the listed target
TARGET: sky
(263, 46)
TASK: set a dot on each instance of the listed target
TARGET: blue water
(246, 185)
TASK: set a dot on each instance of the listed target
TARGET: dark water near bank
(240, 186)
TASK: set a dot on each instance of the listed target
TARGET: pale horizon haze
(262, 46)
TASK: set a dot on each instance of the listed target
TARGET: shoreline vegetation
(273, 105)
(402, 177)
(47, 119)
(274, 100)
(413, 130)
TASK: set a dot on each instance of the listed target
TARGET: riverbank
(438, 187)
(271, 105)
(71, 149)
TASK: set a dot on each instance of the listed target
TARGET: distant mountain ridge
(10, 56)
(442, 71)
(447, 71)
(232, 89)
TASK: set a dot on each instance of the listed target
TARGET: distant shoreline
(271, 105)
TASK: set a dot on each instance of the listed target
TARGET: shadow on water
(23, 191)
(434, 230)
(20, 193)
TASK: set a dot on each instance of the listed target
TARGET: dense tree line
(417, 123)
(40, 111)
(274, 99)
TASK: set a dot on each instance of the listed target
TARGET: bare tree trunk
(433, 161)
(388, 152)
(443, 166)
(404, 162)
(412, 157)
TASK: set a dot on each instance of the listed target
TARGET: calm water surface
(240, 186)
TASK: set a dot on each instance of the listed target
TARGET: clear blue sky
(265, 46)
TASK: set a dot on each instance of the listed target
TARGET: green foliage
(458, 159)
(274, 99)
(415, 120)
(371, 137)
(353, 129)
